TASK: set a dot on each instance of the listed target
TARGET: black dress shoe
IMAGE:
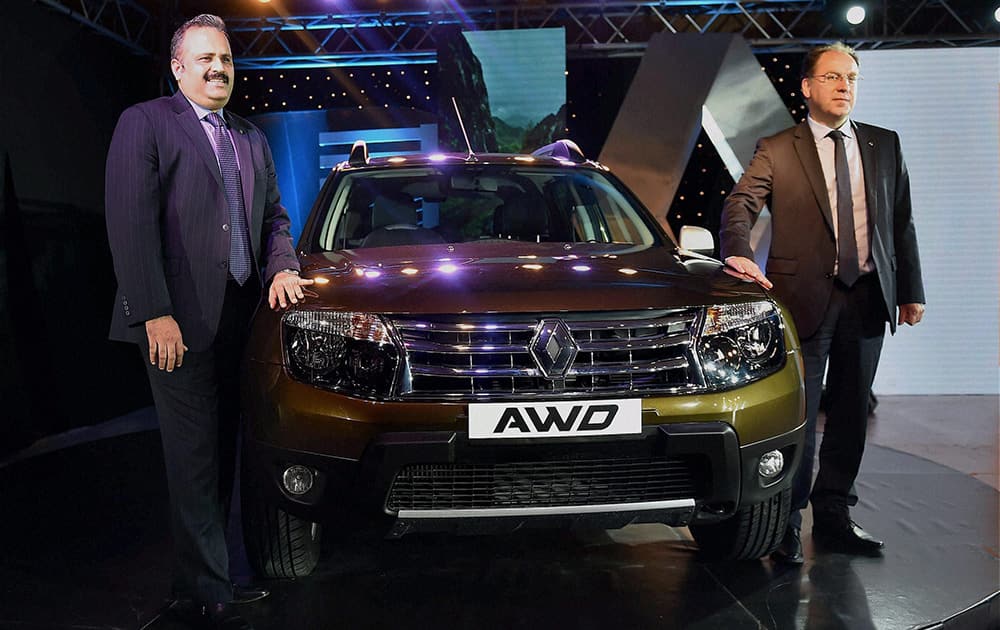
(221, 616)
(247, 594)
(790, 549)
(845, 536)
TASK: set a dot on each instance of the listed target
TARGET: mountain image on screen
(460, 75)
(509, 87)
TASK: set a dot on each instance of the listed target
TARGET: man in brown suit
(844, 259)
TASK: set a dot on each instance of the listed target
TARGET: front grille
(548, 483)
(479, 357)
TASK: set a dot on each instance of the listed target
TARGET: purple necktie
(847, 244)
(239, 237)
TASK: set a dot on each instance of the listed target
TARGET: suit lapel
(869, 163)
(246, 165)
(189, 122)
(805, 147)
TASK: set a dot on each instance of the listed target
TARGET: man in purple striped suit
(197, 231)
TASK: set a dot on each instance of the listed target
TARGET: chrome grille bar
(430, 370)
(464, 327)
(641, 343)
(660, 322)
(452, 348)
(654, 366)
(479, 356)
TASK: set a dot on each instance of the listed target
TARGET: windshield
(477, 202)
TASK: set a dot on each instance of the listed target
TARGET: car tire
(753, 532)
(278, 544)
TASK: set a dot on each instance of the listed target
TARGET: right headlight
(740, 343)
(351, 353)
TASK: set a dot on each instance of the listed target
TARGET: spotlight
(855, 15)
(845, 16)
(996, 14)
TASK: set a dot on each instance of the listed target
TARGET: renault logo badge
(553, 348)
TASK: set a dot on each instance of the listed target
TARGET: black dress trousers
(198, 409)
(846, 348)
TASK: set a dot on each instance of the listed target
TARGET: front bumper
(675, 474)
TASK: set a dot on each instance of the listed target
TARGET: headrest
(522, 216)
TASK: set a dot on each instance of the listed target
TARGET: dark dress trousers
(836, 323)
(168, 226)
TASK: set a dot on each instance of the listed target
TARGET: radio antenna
(462, 125)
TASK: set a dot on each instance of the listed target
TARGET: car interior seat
(394, 222)
(522, 216)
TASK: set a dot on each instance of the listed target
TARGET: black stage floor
(86, 545)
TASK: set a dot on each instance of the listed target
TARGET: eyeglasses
(836, 77)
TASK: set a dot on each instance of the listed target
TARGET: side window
(619, 221)
(331, 233)
(353, 217)
(573, 199)
(621, 226)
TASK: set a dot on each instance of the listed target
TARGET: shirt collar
(820, 131)
(201, 112)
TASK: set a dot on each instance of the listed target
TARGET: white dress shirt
(825, 148)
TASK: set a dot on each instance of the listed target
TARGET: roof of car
(434, 159)
(563, 152)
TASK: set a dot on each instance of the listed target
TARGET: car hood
(515, 277)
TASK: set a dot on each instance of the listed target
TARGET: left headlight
(740, 343)
(351, 353)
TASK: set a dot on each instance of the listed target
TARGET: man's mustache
(220, 76)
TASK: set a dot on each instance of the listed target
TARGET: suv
(500, 341)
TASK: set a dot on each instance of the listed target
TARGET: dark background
(62, 88)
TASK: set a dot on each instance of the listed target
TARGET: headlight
(351, 353)
(740, 343)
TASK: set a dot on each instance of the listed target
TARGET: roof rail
(562, 149)
(359, 154)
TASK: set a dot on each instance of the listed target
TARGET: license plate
(554, 419)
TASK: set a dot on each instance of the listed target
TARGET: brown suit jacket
(786, 175)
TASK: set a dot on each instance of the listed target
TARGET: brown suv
(499, 341)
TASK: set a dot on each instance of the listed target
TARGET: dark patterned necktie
(239, 237)
(847, 245)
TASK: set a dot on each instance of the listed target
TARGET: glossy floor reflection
(86, 546)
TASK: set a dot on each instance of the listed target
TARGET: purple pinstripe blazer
(167, 218)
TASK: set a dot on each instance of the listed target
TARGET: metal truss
(609, 28)
(124, 21)
(595, 29)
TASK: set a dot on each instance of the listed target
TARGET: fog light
(297, 479)
(771, 464)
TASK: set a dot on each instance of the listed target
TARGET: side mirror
(697, 239)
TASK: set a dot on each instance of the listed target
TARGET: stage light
(844, 16)
(855, 15)
(996, 14)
